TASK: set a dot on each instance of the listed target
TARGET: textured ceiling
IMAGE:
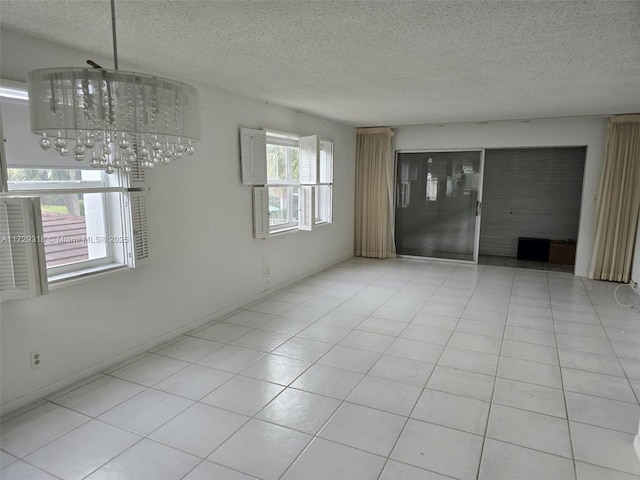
(372, 62)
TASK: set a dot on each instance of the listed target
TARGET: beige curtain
(374, 194)
(619, 201)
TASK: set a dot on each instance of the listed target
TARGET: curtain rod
(484, 122)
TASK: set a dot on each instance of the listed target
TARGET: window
(91, 221)
(292, 178)
(80, 216)
(283, 180)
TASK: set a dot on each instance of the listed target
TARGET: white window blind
(22, 265)
(253, 156)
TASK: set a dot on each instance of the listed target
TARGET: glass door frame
(476, 245)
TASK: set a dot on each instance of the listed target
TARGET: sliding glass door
(438, 196)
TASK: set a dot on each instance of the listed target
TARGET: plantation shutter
(309, 150)
(23, 272)
(326, 162)
(261, 212)
(307, 208)
(137, 176)
(139, 228)
(253, 156)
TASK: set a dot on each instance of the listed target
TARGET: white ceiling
(372, 62)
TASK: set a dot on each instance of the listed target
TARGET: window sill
(64, 279)
(283, 231)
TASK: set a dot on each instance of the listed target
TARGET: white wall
(205, 260)
(538, 133)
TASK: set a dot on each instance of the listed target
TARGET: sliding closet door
(437, 204)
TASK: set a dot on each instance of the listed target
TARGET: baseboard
(34, 399)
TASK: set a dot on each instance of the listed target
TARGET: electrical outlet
(36, 359)
(267, 271)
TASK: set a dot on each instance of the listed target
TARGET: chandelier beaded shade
(114, 119)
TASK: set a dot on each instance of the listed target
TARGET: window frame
(117, 210)
(289, 141)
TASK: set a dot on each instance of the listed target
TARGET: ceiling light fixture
(117, 119)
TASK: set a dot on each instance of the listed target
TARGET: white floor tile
(243, 395)
(324, 333)
(591, 362)
(150, 369)
(285, 325)
(461, 382)
(348, 358)
(478, 362)
(530, 351)
(530, 335)
(222, 332)
(373, 342)
(603, 412)
(23, 471)
(145, 412)
(477, 343)
(276, 369)
(603, 447)
(593, 472)
(193, 382)
(82, 450)
(453, 411)
(589, 383)
(261, 449)
(99, 396)
(396, 470)
(302, 411)
(415, 350)
(34, 429)
(342, 319)
(381, 326)
(528, 429)
(231, 358)
(6, 459)
(247, 318)
(270, 306)
(426, 334)
(440, 449)
(147, 460)
(402, 370)
(504, 461)
(303, 349)
(190, 349)
(261, 340)
(329, 381)
(199, 430)
(478, 327)
(212, 471)
(325, 460)
(529, 396)
(387, 395)
(436, 321)
(364, 428)
(530, 372)
(585, 344)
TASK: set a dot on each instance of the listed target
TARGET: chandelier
(113, 119)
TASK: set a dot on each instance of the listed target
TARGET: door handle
(478, 208)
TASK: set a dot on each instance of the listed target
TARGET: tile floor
(500, 261)
(394, 369)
